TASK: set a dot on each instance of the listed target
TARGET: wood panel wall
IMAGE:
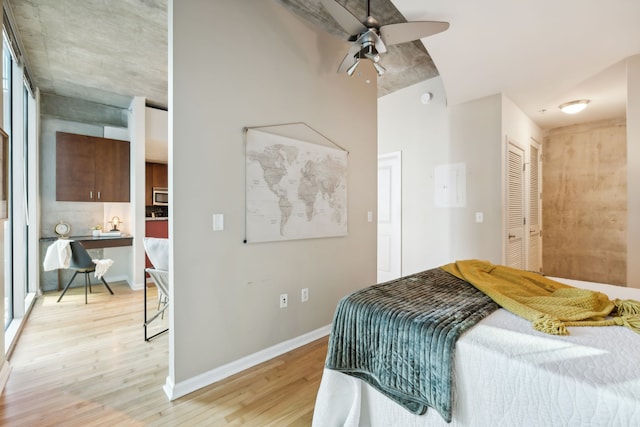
(585, 202)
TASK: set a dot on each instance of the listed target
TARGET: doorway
(389, 216)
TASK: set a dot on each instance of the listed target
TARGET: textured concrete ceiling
(96, 50)
(109, 51)
(406, 63)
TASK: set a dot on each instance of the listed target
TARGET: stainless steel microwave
(160, 196)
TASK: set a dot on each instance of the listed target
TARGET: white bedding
(508, 374)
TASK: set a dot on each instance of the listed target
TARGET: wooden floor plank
(80, 364)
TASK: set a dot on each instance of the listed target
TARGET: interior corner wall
(241, 64)
(633, 171)
(476, 139)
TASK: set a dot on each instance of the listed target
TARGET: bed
(507, 374)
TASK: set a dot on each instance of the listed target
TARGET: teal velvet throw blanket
(400, 336)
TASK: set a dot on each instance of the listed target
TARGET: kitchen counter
(158, 218)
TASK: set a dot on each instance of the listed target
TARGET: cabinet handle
(98, 195)
(91, 195)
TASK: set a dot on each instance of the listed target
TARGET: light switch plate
(479, 217)
(218, 222)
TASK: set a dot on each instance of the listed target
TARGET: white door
(535, 208)
(389, 216)
(515, 207)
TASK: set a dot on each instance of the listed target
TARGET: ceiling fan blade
(349, 58)
(343, 17)
(380, 46)
(408, 31)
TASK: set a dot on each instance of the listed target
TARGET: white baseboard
(116, 278)
(174, 391)
(4, 374)
(136, 286)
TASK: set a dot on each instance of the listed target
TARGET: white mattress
(507, 374)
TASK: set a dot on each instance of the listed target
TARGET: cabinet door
(160, 176)
(112, 170)
(74, 168)
(148, 184)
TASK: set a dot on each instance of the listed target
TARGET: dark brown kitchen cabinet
(91, 169)
(156, 175)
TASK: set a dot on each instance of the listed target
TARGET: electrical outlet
(284, 300)
(304, 295)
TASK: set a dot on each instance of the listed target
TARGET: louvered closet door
(515, 207)
(535, 210)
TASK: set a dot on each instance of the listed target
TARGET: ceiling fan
(370, 39)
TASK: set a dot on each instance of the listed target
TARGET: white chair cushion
(158, 252)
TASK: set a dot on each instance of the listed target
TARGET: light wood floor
(87, 365)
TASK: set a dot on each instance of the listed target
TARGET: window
(19, 123)
(7, 68)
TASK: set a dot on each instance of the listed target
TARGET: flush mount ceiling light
(574, 107)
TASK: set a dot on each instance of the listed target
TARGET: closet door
(515, 207)
(535, 209)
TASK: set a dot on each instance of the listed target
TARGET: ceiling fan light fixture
(574, 107)
(379, 69)
(352, 69)
(375, 57)
(372, 53)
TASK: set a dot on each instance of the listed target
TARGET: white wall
(476, 140)
(156, 135)
(473, 133)
(137, 130)
(421, 132)
(633, 172)
(235, 64)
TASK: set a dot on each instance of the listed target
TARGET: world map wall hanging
(294, 189)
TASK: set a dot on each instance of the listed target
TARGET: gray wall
(251, 63)
(585, 202)
(633, 171)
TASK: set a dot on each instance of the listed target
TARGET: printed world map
(295, 189)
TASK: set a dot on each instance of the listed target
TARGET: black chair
(81, 262)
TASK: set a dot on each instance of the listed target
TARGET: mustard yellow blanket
(550, 305)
